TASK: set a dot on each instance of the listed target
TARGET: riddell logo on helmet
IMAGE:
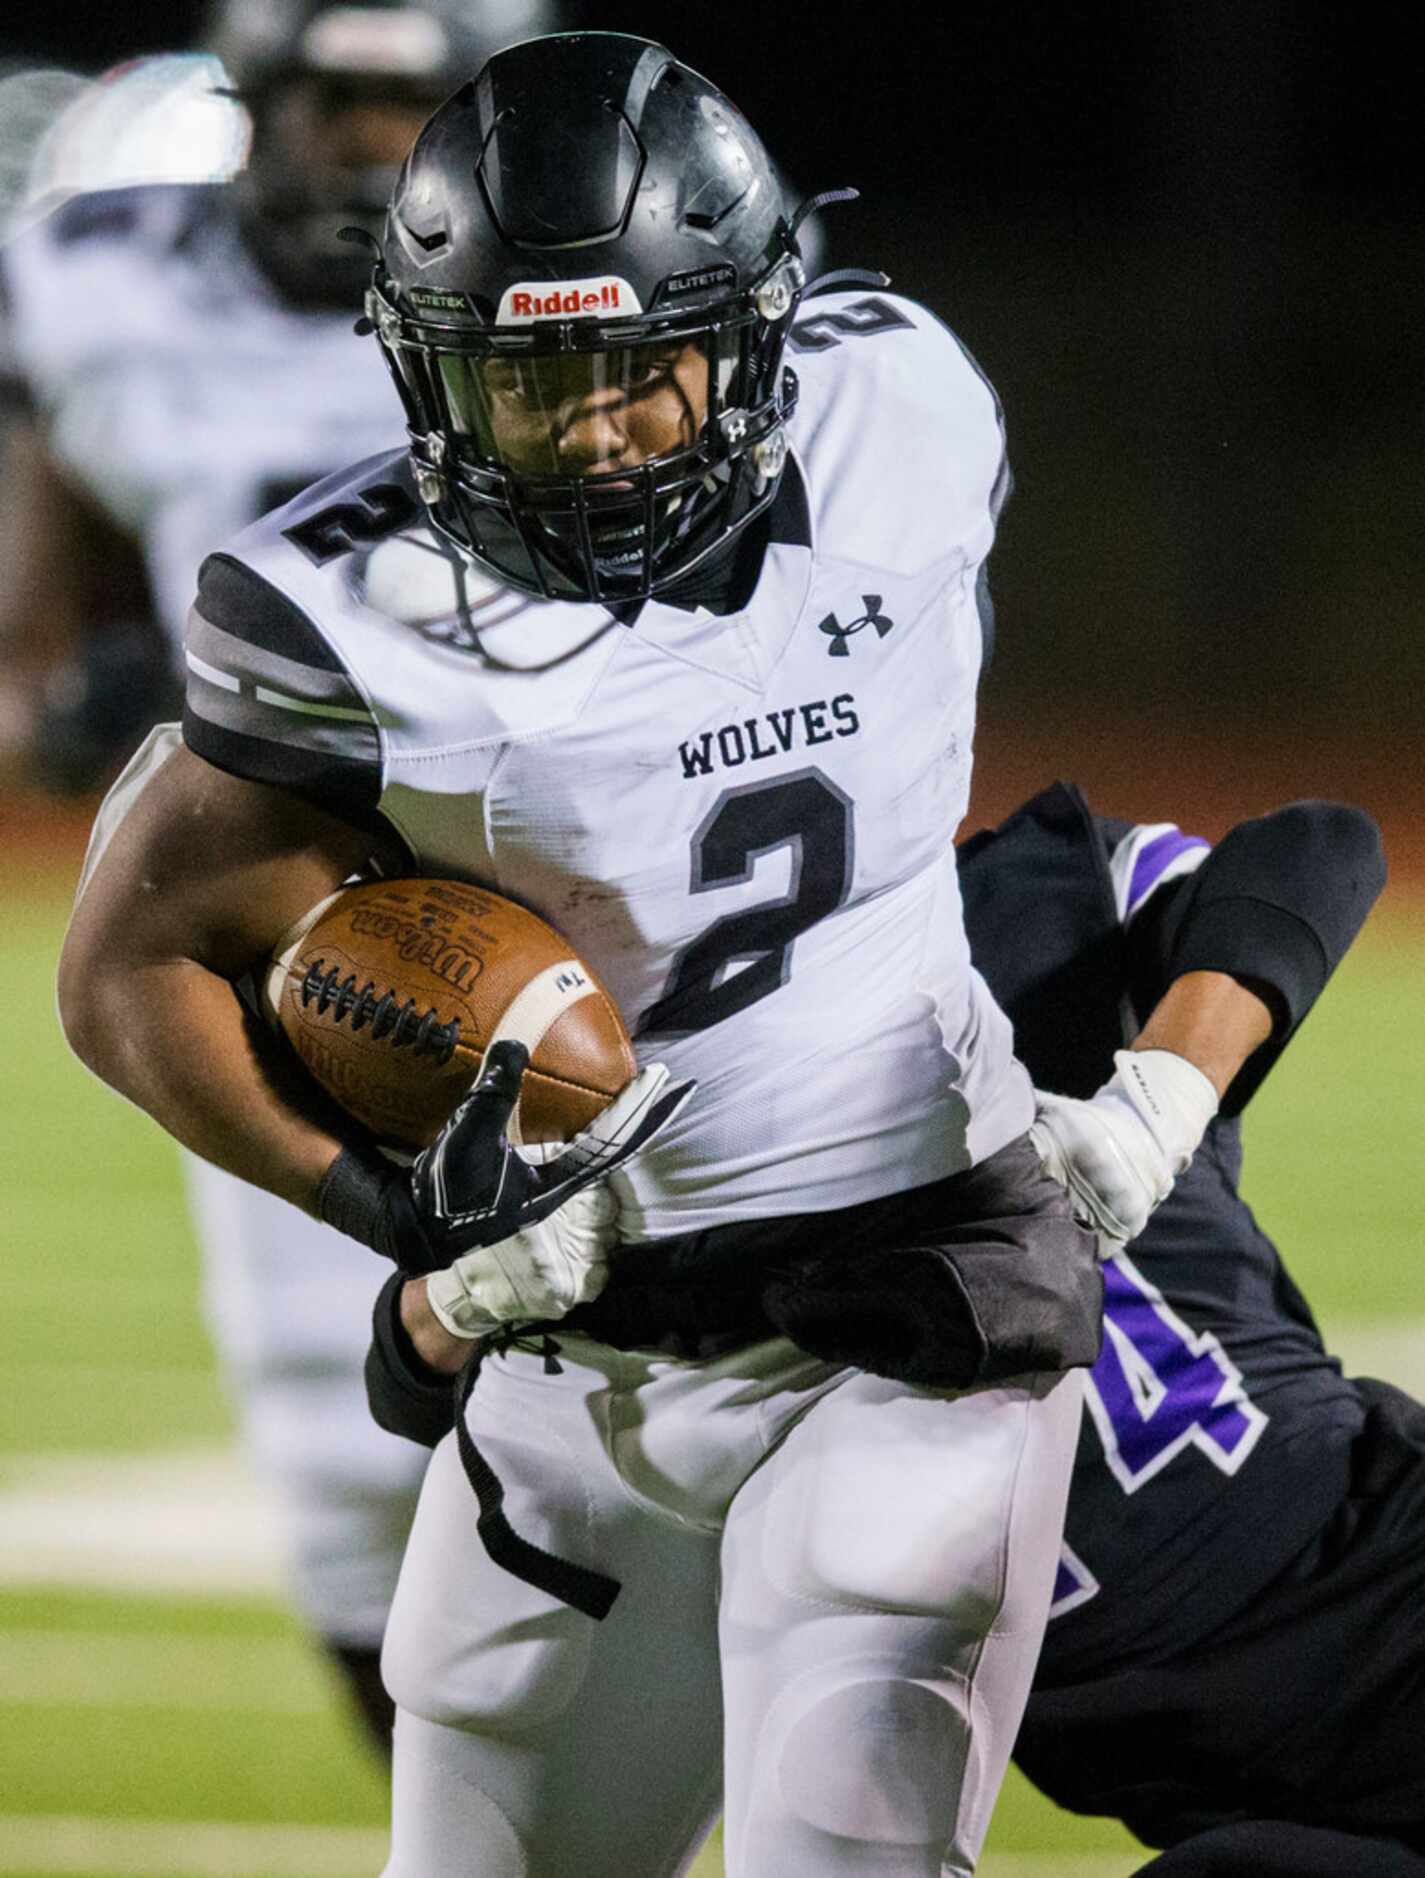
(606, 295)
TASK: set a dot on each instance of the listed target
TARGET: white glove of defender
(542, 1271)
(1118, 1152)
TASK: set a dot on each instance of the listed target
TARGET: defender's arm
(1213, 1021)
(1273, 907)
(1231, 957)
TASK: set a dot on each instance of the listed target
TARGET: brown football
(391, 991)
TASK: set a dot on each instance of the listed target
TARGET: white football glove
(1118, 1153)
(542, 1271)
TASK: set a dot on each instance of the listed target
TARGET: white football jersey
(172, 382)
(743, 823)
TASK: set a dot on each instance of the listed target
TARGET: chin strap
(817, 202)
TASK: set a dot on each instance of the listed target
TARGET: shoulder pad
(900, 431)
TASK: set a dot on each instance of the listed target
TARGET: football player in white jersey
(669, 623)
(187, 359)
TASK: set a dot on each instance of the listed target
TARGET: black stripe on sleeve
(237, 599)
(268, 698)
(349, 790)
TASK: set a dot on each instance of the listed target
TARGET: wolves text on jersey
(774, 733)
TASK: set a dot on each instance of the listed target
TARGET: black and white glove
(542, 1271)
(1119, 1152)
(471, 1188)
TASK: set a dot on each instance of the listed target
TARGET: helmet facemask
(589, 459)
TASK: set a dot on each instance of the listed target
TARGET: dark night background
(1185, 243)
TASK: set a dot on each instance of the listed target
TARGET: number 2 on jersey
(745, 956)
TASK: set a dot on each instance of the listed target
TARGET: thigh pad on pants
(905, 1790)
(469, 1645)
(896, 1501)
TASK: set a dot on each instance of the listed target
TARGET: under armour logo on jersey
(839, 634)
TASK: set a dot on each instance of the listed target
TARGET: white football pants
(834, 1590)
(288, 1305)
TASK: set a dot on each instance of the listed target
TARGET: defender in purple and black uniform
(1236, 1661)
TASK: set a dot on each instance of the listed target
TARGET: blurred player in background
(1235, 1661)
(185, 357)
(152, 333)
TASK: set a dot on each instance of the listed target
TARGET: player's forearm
(198, 880)
(173, 1039)
(430, 1340)
(1119, 1153)
(1212, 1020)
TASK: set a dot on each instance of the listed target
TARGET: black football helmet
(584, 292)
(297, 65)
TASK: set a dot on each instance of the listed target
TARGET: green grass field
(174, 1721)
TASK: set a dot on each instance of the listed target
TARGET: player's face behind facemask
(583, 293)
(629, 422)
(585, 413)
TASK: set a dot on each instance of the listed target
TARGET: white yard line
(195, 1521)
(187, 1520)
(1393, 1352)
(1002, 1864)
(128, 1670)
(1054, 1865)
(105, 1848)
(108, 1848)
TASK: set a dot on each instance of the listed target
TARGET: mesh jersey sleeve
(267, 697)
